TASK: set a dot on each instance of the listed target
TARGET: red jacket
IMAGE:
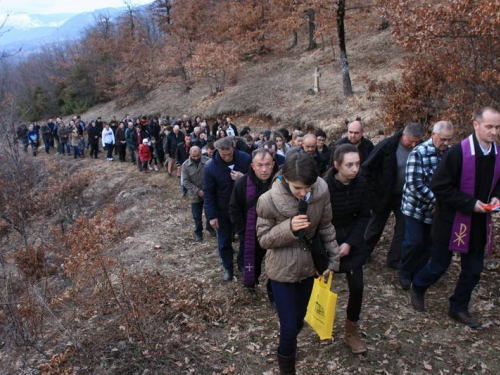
(144, 152)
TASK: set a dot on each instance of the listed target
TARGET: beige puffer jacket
(288, 260)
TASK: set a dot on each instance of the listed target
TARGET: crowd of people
(276, 190)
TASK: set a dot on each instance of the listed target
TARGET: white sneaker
(156, 168)
(150, 168)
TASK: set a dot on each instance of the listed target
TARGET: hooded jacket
(288, 260)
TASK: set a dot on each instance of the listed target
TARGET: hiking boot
(465, 318)
(198, 237)
(352, 337)
(213, 233)
(228, 275)
(417, 300)
(286, 364)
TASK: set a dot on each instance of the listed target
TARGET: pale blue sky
(61, 6)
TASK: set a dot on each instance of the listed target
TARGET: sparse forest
(98, 270)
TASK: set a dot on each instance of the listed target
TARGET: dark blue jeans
(197, 212)
(416, 247)
(68, 147)
(76, 152)
(224, 239)
(472, 266)
(291, 302)
(109, 149)
(46, 143)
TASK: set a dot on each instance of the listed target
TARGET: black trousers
(122, 149)
(376, 227)
(94, 149)
(355, 284)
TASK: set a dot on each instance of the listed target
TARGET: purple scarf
(250, 237)
(460, 235)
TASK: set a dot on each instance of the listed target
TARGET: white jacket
(108, 137)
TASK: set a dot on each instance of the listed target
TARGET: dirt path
(399, 339)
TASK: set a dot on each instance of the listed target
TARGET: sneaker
(150, 168)
(417, 300)
(213, 233)
(156, 168)
(465, 318)
(198, 237)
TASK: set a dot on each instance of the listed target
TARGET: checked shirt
(418, 199)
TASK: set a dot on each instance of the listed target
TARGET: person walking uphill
(221, 172)
(418, 201)
(466, 179)
(108, 141)
(289, 263)
(349, 198)
(385, 171)
(242, 210)
(193, 170)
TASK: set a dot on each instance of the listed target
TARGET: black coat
(135, 139)
(351, 213)
(94, 135)
(154, 130)
(172, 142)
(365, 148)
(445, 185)
(181, 154)
(381, 171)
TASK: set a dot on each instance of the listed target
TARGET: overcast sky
(61, 6)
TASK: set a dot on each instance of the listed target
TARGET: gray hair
(194, 149)
(442, 125)
(414, 129)
(225, 143)
(309, 136)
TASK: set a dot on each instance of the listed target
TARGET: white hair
(442, 125)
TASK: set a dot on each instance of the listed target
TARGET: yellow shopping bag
(321, 308)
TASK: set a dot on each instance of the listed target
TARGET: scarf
(250, 236)
(460, 235)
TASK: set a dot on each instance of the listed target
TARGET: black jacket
(172, 142)
(365, 148)
(445, 185)
(381, 171)
(154, 130)
(181, 154)
(93, 134)
(351, 213)
(135, 139)
(239, 206)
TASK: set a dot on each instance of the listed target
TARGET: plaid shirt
(418, 199)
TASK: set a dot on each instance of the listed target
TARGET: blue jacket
(218, 184)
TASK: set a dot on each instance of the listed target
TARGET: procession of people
(276, 189)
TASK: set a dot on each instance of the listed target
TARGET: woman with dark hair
(349, 198)
(221, 133)
(283, 232)
(281, 146)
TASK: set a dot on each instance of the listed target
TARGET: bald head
(195, 154)
(355, 132)
(309, 144)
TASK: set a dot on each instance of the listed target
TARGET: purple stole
(460, 235)
(250, 236)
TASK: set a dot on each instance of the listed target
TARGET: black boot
(287, 364)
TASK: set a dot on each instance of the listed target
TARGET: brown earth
(276, 88)
(399, 339)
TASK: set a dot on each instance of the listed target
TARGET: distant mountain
(31, 31)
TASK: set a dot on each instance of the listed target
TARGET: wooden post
(316, 75)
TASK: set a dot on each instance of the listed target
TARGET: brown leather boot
(286, 364)
(352, 337)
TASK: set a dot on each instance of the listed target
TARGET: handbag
(321, 308)
(318, 251)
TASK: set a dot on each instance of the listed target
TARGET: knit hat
(145, 141)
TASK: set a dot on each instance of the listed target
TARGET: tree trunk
(344, 62)
(295, 40)
(312, 29)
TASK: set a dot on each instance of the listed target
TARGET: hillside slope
(276, 87)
